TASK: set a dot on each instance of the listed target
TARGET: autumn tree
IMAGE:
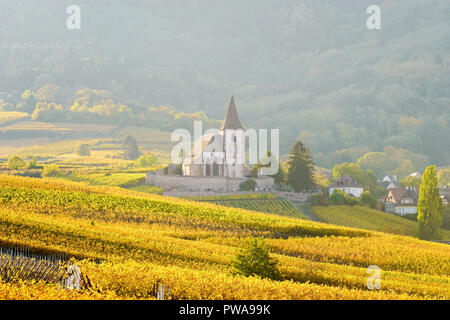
(16, 163)
(411, 181)
(430, 206)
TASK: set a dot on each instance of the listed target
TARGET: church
(219, 154)
(214, 164)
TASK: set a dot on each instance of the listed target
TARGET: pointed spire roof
(231, 119)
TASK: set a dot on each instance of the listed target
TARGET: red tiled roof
(397, 193)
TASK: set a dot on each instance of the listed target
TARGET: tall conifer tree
(131, 151)
(301, 168)
(430, 206)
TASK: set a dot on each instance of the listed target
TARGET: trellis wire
(19, 263)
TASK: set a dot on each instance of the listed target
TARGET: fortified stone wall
(217, 184)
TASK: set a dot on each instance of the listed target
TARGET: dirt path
(306, 210)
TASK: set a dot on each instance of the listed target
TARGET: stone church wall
(217, 184)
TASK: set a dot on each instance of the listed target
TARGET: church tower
(233, 143)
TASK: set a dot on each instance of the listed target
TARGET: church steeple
(231, 119)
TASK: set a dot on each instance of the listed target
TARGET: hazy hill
(310, 67)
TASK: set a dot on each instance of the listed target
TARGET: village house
(402, 201)
(390, 181)
(417, 175)
(348, 185)
(445, 195)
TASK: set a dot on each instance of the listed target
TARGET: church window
(215, 169)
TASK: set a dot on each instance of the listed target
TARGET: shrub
(52, 170)
(248, 185)
(146, 161)
(368, 200)
(33, 162)
(83, 150)
(340, 198)
(16, 163)
(352, 201)
(254, 260)
(337, 198)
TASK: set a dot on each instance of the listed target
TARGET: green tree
(411, 181)
(146, 161)
(131, 149)
(48, 112)
(254, 260)
(248, 185)
(301, 168)
(29, 100)
(367, 199)
(349, 169)
(83, 149)
(367, 179)
(279, 178)
(430, 206)
(51, 170)
(16, 163)
(337, 198)
(444, 177)
(33, 162)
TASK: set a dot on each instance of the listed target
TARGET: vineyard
(127, 242)
(282, 207)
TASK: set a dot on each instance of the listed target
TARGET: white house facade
(347, 185)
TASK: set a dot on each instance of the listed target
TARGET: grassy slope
(142, 239)
(365, 218)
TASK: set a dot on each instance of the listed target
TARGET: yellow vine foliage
(129, 242)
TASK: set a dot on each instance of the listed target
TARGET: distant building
(417, 175)
(390, 181)
(207, 158)
(205, 168)
(347, 185)
(402, 201)
(394, 184)
(445, 195)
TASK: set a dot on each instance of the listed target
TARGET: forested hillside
(310, 67)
